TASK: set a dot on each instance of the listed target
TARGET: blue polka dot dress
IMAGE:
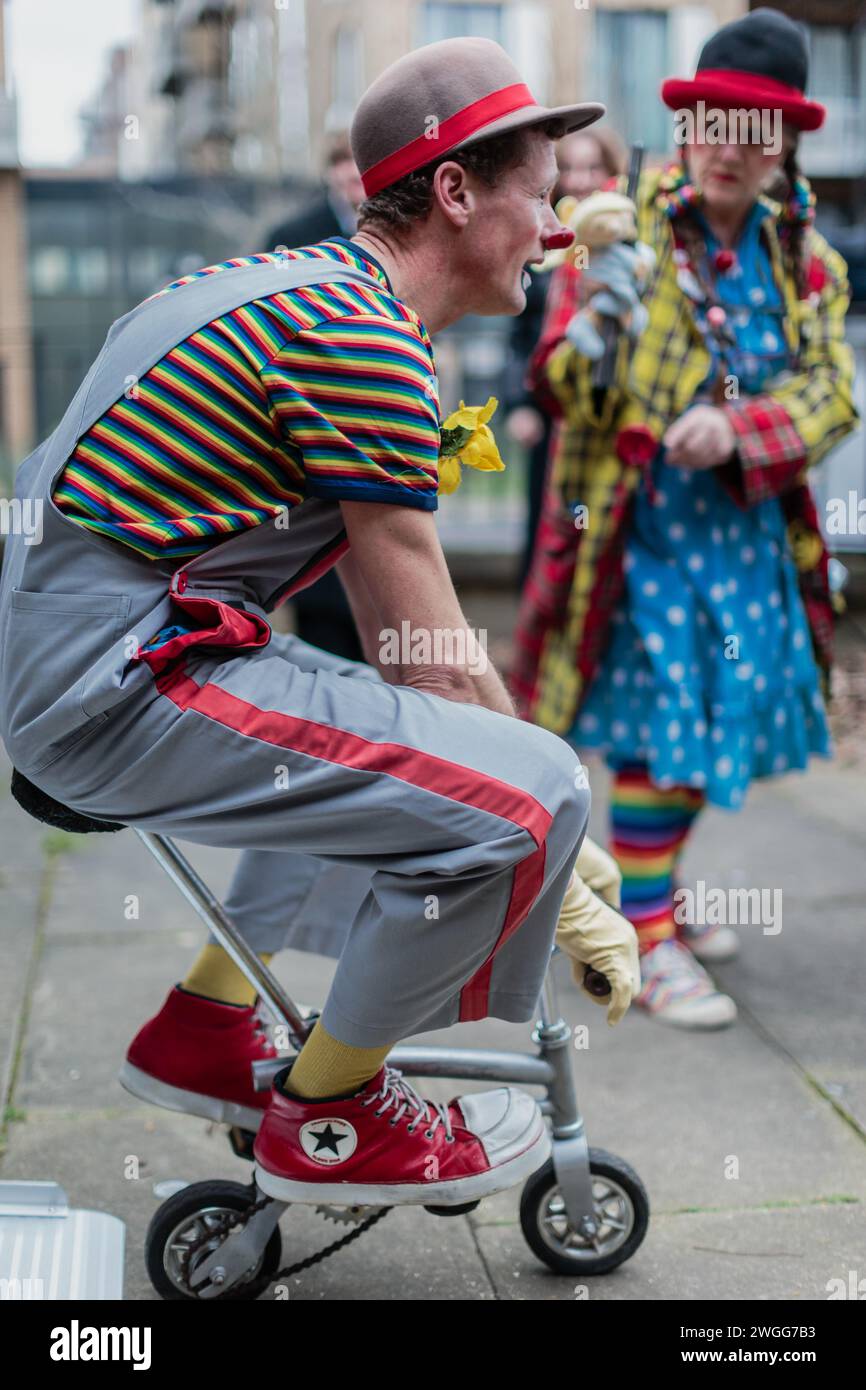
(709, 677)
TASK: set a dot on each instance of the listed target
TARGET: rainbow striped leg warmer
(648, 827)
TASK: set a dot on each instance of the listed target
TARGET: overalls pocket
(53, 640)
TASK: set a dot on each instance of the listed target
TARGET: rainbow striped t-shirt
(324, 391)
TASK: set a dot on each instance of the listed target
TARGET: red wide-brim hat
(732, 87)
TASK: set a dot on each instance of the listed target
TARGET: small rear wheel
(188, 1217)
(621, 1208)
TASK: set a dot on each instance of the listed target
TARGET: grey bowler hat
(440, 98)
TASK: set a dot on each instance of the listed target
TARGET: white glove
(594, 934)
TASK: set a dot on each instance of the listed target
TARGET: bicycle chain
(226, 1224)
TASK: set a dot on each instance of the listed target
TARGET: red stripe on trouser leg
(525, 887)
(423, 770)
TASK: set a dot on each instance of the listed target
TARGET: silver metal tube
(549, 1002)
(463, 1063)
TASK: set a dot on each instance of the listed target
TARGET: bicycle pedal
(242, 1141)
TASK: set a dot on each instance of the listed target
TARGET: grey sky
(56, 55)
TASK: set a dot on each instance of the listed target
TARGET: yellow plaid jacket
(576, 576)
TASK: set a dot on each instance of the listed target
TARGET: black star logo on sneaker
(327, 1138)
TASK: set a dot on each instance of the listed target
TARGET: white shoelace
(397, 1091)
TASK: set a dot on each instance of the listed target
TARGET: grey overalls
(456, 828)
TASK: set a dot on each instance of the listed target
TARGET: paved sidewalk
(781, 1096)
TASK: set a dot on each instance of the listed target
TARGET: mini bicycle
(583, 1212)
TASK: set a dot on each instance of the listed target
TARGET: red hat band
(449, 133)
(737, 87)
(750, 84)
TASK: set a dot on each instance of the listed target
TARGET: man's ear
(452, 192)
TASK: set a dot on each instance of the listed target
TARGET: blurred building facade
(224, 86)
(206, 87)
(255, 87)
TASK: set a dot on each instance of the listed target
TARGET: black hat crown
(765, 42)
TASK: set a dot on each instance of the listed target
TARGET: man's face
(508, 229)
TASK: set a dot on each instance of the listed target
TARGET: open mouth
(527, 269)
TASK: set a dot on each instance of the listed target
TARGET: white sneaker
(677, 990)
(713, 944)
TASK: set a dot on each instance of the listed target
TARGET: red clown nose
(557, 241)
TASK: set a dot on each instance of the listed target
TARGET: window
(51, 270)
(248, 154)
(630, 59)
(347, 77)
(250, 59)
(837, 78)
(92, 269)
(443, 21)
(148, 268)
(833, 54)
(64, 270)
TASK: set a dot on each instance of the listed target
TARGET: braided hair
(798, 202)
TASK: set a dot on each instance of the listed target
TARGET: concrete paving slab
(806, 983)
(106, 884)
(88, 1004)
(730, 1256)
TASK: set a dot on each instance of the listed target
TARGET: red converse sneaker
(386, 1146)
(196, 1055)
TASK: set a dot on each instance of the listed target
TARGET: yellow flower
(466, 438)
(471, 416)
(449, 474)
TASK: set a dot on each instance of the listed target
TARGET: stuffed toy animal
(606, 246)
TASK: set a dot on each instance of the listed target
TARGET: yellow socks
(323, 1067)
(215, 975)
(326, 1067)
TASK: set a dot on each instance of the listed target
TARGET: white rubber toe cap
(506, 1121)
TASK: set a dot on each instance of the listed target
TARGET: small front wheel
(621, 1208)
(173, 1251)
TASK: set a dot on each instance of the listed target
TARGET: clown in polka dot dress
(709, 678)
